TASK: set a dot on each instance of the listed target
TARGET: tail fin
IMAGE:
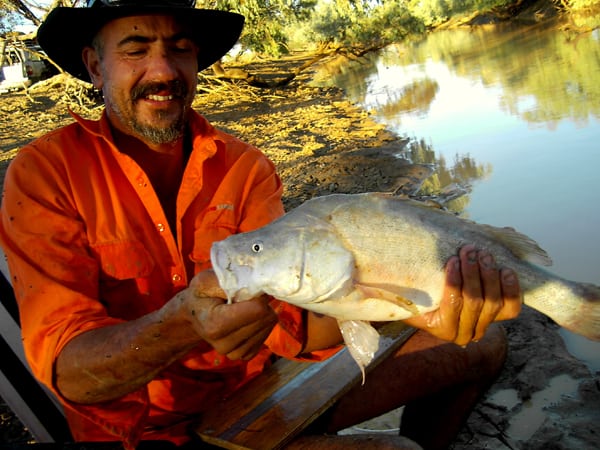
(574, 306)
(586, 319)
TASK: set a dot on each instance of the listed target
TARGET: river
(512, 111)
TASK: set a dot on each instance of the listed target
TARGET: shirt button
(161, 227)
(176, 277)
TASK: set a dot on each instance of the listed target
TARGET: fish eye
(257, 247)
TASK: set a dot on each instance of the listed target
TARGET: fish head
(247, 265)
(298, 261)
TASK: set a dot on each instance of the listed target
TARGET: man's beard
(157, 135)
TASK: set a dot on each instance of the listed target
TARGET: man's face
(146, 67)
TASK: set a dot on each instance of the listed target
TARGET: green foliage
(367, 23)
(578, 5)
(435, 12)
(273, 26)
(267, 21)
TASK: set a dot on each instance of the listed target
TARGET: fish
(375, 257)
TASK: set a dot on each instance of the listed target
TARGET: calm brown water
(512, 111)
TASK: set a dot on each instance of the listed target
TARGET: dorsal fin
(521, 245)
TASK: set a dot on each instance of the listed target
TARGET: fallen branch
(75, 92)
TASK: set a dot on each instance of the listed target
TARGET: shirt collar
(203, 133)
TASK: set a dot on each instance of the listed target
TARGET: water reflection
(546, 76)
(416, 97)
(513, 111)
(542, 76)
(462, 172)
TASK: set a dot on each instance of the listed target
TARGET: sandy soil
(321, 143)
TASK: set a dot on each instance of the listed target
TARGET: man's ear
(91, 59)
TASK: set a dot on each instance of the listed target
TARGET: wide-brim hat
(66, 31)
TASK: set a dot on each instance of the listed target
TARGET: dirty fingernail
(472, 257)
(487, 260)
(509, 277)
(455, 265)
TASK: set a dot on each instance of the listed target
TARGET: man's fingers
(473, 300)
(475, 295)
(238, 330)
(234, 319)
(443, 322)
(511, 292)
(492, 293)
(250, 342)
(205, 284)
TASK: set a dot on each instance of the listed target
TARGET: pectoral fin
(362, 341)
(384, 294)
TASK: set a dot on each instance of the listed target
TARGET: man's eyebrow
(134, 39)
(141, 39)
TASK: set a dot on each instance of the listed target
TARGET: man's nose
(162, 66)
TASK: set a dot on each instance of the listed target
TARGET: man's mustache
(175, 87)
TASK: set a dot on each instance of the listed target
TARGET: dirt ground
(303, 129)
(321, 143)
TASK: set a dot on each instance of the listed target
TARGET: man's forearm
(109, 362)
(322, 332)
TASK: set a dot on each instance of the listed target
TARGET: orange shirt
(88, 246)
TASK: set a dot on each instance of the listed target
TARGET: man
(108, 224)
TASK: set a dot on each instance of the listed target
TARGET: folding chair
(31, 402)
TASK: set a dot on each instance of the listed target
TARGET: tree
(14, 12)
(266, 20)
(8, 16)
(369, 24)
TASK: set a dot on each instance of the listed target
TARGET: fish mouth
(222, 269)
(232, 277)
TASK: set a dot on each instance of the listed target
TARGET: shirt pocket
(217, 223)
(123, 260)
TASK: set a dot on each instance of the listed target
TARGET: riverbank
(321, 143)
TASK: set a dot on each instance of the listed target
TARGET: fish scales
(375, 257)
(376, 226)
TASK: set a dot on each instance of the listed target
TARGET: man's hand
(477, 293)
(237, 330)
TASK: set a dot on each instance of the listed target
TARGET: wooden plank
(281, 402)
